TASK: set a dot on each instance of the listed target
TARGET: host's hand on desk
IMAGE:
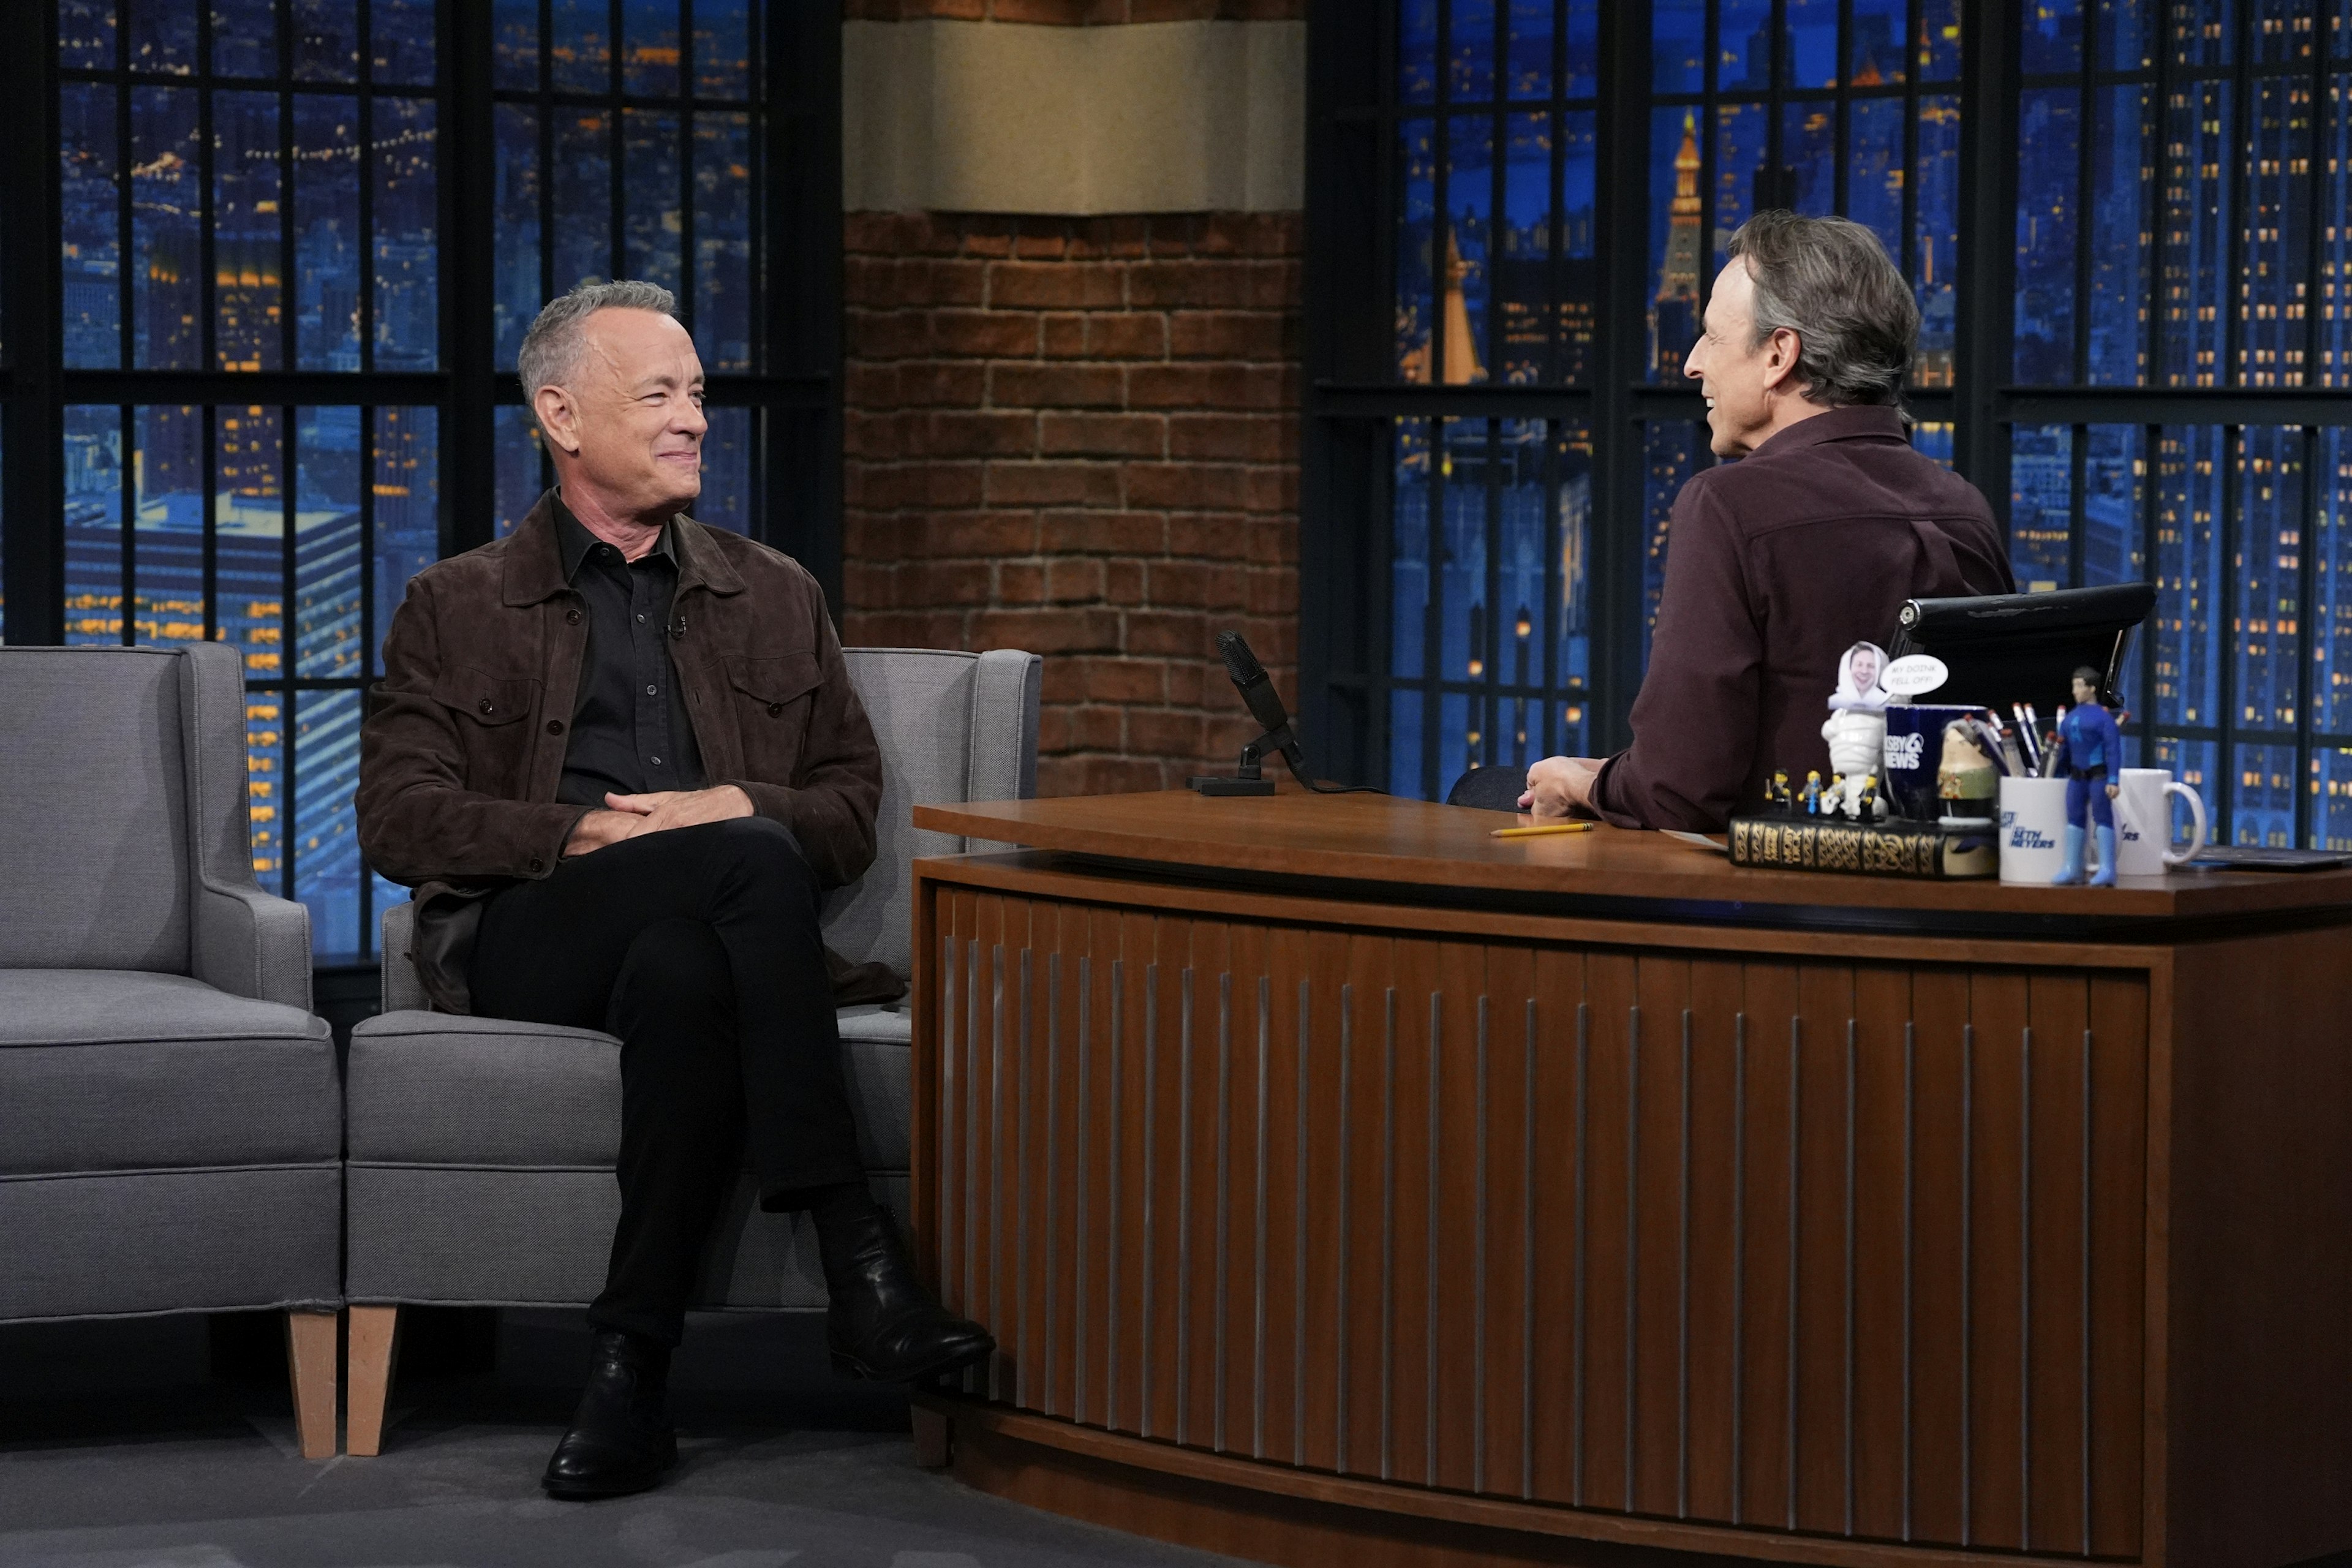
(1562, 786)
(632, 814)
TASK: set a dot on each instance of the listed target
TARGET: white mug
(2032, 829)
(2144, 821)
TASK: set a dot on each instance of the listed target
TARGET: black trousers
(699, 948)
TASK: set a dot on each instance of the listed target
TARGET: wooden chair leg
(310, 1362)
(934, 1439)
(376, 1338)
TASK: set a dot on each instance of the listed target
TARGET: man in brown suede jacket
(619, 755)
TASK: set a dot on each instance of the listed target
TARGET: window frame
(1349, 394)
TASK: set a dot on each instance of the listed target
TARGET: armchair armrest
(252, 943)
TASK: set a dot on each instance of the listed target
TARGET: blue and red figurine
(2090, 753)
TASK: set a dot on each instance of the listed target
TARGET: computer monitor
(2025, 648)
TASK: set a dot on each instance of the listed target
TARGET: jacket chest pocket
(488, 712)
(773, 697)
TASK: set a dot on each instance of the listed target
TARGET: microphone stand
(1248, 777)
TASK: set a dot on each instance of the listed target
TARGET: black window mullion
(2224, 611)
(367, 479)
(2077, 464)
(126, 297)
(685, 164)
(1433, 619)
(288, 338)
(1782, 192)
(366, 89)
(208, 466)
(2151, 506)
(2307, 597)
(615, 149)
(207, 254)
(1434, 607)
(2087, 121)
(128, 505)
(1842, 115)
(289, 636)
(1490, 654)
(1556, 243)
(1551, 615)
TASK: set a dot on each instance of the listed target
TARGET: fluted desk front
(1339, 1180)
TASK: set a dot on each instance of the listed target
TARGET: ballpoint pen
(2027, 738)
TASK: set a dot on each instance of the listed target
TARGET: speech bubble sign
(1914, 675)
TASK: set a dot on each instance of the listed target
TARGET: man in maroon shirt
(1810, 543)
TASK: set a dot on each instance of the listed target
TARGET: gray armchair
(481, 1151)
(171, 1125)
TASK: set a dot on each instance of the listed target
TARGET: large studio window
(294, 263)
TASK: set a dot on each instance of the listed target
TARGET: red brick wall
(1080, 436)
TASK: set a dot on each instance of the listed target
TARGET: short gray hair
(1830, 281)
(550, 349)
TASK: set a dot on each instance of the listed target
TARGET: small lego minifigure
(1778, 792)
(2088, 753)
(1812, 796)
(1868, 797)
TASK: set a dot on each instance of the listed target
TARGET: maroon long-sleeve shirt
(1776, 565)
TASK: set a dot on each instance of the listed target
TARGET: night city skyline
(315, 181)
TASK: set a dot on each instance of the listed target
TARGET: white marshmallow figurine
(1856, 728)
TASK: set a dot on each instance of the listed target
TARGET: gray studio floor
(170, 1443)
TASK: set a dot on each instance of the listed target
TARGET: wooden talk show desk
(1344, 1185)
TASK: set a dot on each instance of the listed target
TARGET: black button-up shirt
(629, 729)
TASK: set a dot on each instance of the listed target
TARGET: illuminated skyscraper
(1674, 314)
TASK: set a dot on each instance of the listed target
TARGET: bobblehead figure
(1856, 731)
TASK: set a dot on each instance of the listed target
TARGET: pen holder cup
(1913, 751)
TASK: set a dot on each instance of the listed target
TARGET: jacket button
(774, 708)
(484, 705)
(535, 862)
(555, 726)
(570, 617)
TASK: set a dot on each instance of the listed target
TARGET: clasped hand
(1561, 786)
(632, 815)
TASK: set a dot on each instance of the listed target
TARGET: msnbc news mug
(2144, 821)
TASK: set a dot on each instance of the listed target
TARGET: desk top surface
(1377, 839)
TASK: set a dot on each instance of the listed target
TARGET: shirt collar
(1854, 421)
(573, 542)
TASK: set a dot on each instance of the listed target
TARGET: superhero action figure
(2090, 753)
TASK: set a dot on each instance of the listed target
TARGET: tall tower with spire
(1673, 313)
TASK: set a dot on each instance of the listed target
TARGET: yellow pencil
(1540, 828)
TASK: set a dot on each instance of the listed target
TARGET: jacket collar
(1863, 421)
(535, 564)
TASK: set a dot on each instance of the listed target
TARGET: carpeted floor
(124, 1445)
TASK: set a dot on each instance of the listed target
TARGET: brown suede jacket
(463, 748)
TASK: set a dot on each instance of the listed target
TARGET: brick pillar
(1080, 436)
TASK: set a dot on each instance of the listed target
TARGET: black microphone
(1256, 687)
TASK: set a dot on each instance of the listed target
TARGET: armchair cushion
(430, 1088)
(124, 1070)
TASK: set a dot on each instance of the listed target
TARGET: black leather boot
(621, 1439)
(882, 1324)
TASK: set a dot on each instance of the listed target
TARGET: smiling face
(626, 426)
(1744, 380)
(1866, 670)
